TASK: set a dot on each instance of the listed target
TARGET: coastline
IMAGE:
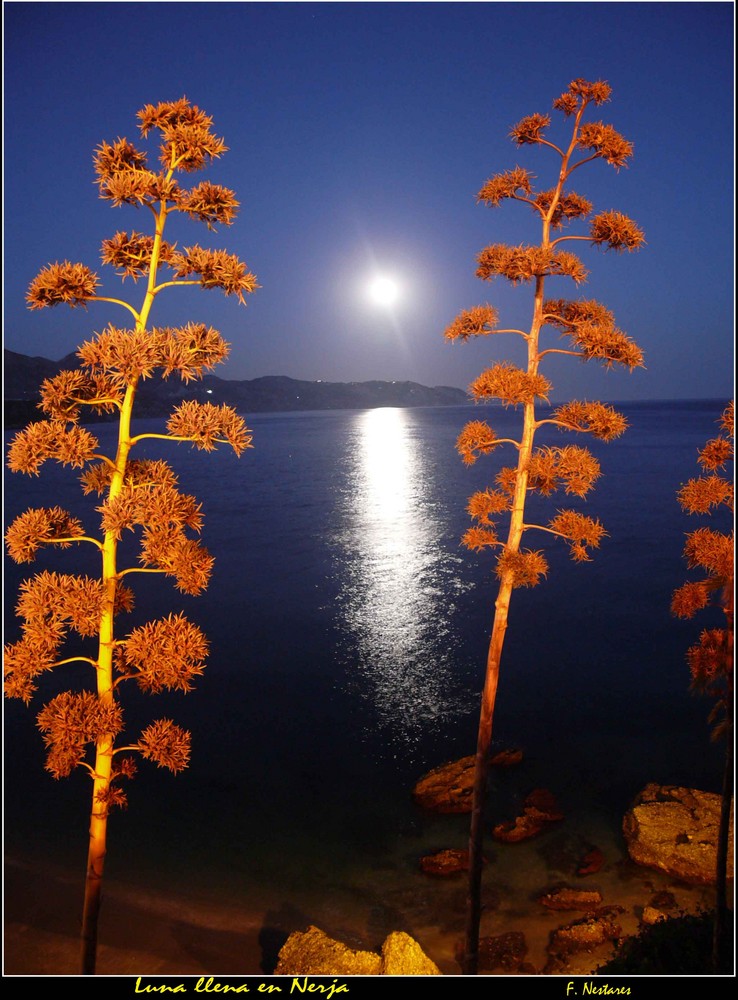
(148, 931)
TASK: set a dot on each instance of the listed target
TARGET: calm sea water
(348, 635)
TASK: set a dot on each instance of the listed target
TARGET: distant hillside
(271, 393)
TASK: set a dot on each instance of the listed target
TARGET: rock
(592, 862)
(675, 829)
(403, 956)
(522, 828)
(585, 934)
(565, 898)
(507, 758)
(539, 810)
(313, 953)
(651, 915)
(447, 862)
(449, 788)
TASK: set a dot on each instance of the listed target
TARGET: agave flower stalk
(592, 335)
(711, 660)
(141, 496)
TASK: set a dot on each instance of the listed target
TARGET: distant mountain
(23, 376)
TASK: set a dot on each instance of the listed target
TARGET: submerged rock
(585, 934)
(313, 953)
(592, 862)
(566, 898)
(447, 862)
(539, 811)
(650, 915)
(449, 788)
(675, 829)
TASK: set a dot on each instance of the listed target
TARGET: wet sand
(140, 933)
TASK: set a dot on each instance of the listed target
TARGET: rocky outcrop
(403, 956)
(313, 953)
(449, 788)
(675, 829)
(566, 898)
(539, 811)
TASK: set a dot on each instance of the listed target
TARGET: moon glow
(383, 291)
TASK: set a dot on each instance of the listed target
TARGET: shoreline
(147, 931)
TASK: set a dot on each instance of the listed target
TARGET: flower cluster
(605, 143)
(598, 419)
(163, 655)
(207, 425)
(167, 548)
(476, 322)
(130, 253)
(529, 130)
(569, 205)
(67, 283)
(150, 505)
(510, 384)
(476, 439)
(591, 328)
(477, 538)
(582, 532)
(187, 139)
(70, 722)
(64, 395)
(166, 744)
(130, 355)
(580, 91)
(506, 185)
(575, 469)
(215, 269)
(711, 551)
(38, 527)
(50, 604)
(145, 472)
(524, 568)
(50, 439)
(616, 231)
(523, 263)
(210, 203)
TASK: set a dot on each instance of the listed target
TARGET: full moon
(383, 291)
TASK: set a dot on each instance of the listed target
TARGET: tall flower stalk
(86, 729)
(711, 660)
(592, 335)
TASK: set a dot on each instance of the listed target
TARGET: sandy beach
(140, 933)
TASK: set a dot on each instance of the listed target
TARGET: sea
(348, 631)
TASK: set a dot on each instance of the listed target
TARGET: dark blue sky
(359, 135)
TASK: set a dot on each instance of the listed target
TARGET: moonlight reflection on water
(393, 598)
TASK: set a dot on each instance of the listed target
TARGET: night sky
(359, 136)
